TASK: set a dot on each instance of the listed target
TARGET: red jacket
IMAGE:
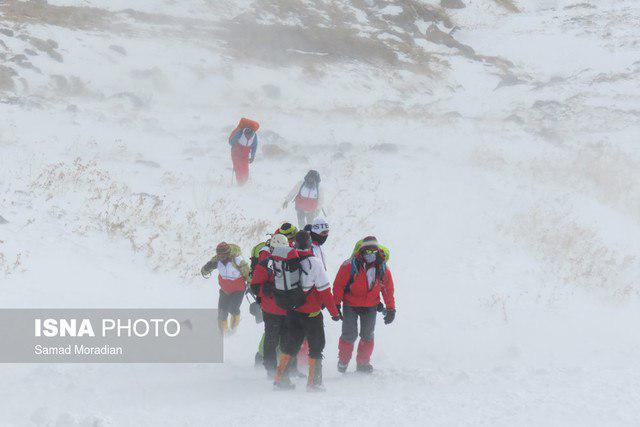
(230, 286)
(262, 277)
(315, 300)
(359, 294)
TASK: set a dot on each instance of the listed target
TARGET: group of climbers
(288, 279)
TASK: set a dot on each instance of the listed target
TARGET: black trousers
(300, 326)
(229, 304)
(275, 330)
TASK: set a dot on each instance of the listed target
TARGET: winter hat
(279, 241)
(369, 242)
(319, 226)
(223, 248)
(303, 240)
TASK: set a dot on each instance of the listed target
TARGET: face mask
(369, 258)
(319, 238)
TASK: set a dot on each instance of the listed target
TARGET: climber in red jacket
(244, 143)
(311, 291)
(359, 283)
(274, 316)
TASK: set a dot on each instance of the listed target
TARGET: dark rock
(6, 78)
(273, 151)
(118, 49)
(149, 163)
(452, 4)
(272, 91)
(385, 147)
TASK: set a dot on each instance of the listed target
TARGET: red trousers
(240, 159)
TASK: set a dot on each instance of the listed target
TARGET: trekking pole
(255, 312)
(246, 295)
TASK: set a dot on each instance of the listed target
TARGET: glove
(256, 311)
(205, 273)
(339, 316)
(380, 307)
(391, 314)
(254, 290)
(254, 308)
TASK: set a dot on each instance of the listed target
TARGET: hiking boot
(281, 379)
(365, 368)
(284, 384)
(223, 326)
(235, 321)
(314, 381)
(342, 367)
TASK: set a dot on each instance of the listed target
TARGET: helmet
(288, 230)
(320, 226)
(279, 241)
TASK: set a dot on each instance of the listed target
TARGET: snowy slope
(498, 163)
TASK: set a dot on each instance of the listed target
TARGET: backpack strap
(265, 264)
(302, 258)
(381, 268)
(352, 274)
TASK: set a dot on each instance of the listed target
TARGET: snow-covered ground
(500, 164)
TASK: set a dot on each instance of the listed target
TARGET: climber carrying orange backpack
(244, 142)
